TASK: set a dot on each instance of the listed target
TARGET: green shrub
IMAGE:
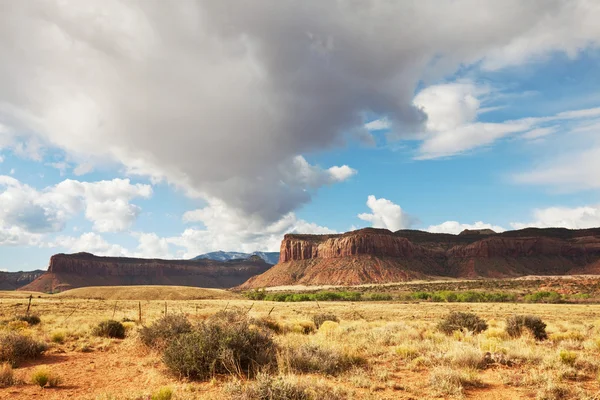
(516, 323)
(256, 294)
(15, 348)
(544, 297)
(30, 319)
(164, 393)
(109, 328)
(225, 343)
(164, 329)
(457, 321)
(318, 319)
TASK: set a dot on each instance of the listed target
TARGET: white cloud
(250, 85)
(89, 242)
(454, 227)
(452, 127)
(227, 229)
(449, 106)
(386, 214)
(565, 217)
(27, 212)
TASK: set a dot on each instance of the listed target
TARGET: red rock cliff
(68, 271)
(378, 256)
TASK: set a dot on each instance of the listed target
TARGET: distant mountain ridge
(68, 271)
(14, 280)
(269, 257)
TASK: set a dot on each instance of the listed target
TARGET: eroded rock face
(67, 271)
(15, 280)
(380, 256)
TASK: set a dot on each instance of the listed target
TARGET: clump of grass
(457, 321)
(267, 387)
(517, 323)
(269, 323)
(313, 358)
(303, 327)
(407, 352)
(318, 319)
(567, 357)
(7, 377)
(15, 347)
(110, 329)
(43, 376)
(225, 344)
(164, 329)
(58, 336)
(553, 391)
(452, 382)
(31, 319)
(164, 393)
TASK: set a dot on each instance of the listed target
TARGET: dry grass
(375, 351)
(147, 293)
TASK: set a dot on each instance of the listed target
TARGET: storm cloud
(222, 98)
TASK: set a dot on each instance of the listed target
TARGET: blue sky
(158, 134)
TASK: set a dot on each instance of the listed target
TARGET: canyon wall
(379, 256)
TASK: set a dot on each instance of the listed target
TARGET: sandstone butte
(68, 271)
(381, 256)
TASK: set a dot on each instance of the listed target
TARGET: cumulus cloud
(27, 212)
(564, 217)
(386, 214)
(455, 227)
(225, 228)
(89, 242)
(221, 97)
(453, 126)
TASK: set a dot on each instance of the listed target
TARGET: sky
(171, 129)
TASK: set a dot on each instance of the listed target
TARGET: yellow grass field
(147, 293)
(385, 350)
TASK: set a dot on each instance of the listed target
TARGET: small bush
(544, 297)
(109, 328)
(164, 393)
(164, 329)
(567, 357)
(30, 319)
(457, 321)
(58, 336)
(15, 348)
(43, 376)
(312, 358)
(318, 319)
(535, 325)
(7, 377)
(223, 344)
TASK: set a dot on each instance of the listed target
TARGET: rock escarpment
(67, 271)
(380, 256)
(15, 280)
